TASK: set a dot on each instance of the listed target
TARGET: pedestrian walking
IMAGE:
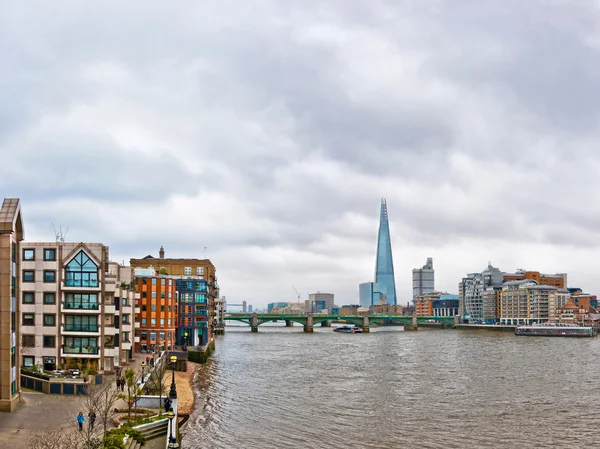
(147, 360)
(118, 383)
(80, 420)
(122, 384)
(92, 419)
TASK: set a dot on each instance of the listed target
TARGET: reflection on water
(281, 388)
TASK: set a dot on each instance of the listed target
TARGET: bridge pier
(365, 326)
(325, 324)
(289, 323)
(254, 323)
(309, 323)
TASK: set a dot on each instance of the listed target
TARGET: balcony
(109, 308)
(81, 307)
(71, 285)
(74, 329)
(78, 350)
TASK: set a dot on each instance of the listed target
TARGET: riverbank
(185, 392)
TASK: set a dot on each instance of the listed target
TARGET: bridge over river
(308, 320)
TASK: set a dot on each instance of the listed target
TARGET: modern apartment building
(76, 306)
(446, 305)
(11, 234)
(197, 290)
(423, 279)
(471, 292)
(158, 310)
(558, 280)
(526, 302)
(320, 301)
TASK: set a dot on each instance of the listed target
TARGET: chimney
(161, 253)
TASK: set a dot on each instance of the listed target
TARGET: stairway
(150, 431)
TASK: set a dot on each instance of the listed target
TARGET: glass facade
(193, 312)
(384, 265)
(81, 272)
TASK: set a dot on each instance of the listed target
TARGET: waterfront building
(558, 280)
(385, 309)
(158, 312)
(348, 310)
(196, 277)
(571, 313)
(320, 301)
(446, 305)
(11, 234)
(424, 303)
(384, 265)
(527, 302)
(274, 306)
(471, 292)
(423, 279)
(77, 307)
(490, 298)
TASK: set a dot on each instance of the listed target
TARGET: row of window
(72, 300)
(153, 321)
(49, 341)
(162, 294)
(161, 336)
(153, 308)
(49, 319)
(29, 276)
(188, 270)
(49, 254)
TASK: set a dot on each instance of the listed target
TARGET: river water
(281, 388)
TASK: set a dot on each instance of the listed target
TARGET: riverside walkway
(308, 320)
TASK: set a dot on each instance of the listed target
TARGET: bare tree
(101, 400)
(54, 439)
(157, 384)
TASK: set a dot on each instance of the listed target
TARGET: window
(28, 319)
(144, 336)
(199, 270)
(49, 254)
(162, 321)
(28, 276)
(162, 335)
(28, 298)
(124, 319)
(162, 308)
(152, 336)
(169, 321)
(143, 320)
(49, 298)
(170, 282)
(153, 307)
(124, 301)
(169, 295)
(49, 276)
(162, 294)
(143, 307)
(153, 281)
(153, 321)
(28, 341)
(29, 254)
(162, 281)
(187, 270)
(81, 323)
(28, 361)
(49, 341)
(154, 294)
(81, 301)
(50, 319)
(143, 294)
(79, 345)
(82, 272)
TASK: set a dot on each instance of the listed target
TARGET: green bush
(113, 440)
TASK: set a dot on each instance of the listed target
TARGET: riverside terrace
(309, 320)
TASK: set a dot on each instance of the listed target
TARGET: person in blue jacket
(80, 420)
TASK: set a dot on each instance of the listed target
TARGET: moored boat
(348, 329)
(555, 330)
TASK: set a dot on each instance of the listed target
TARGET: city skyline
(261, 132)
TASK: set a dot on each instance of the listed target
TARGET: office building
(446, 305)
(77, 308)
(558, 280)
(274, 306)
(369, 295)
(320, 301)
(384, 264)
(11, 234)
(158, 311)
(471, 291)
(423, 279)
(196, 285)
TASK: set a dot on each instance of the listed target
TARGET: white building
(526, 302)
(423, 279)
(320, 301)
(471, 292)
(76, 306)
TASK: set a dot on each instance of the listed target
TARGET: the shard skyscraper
(384, 265)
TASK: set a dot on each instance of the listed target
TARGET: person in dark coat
(92, 419)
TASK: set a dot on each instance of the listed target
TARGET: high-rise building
(384, 265)
(77, 307)
(526, 302)
(274, 306)
(320, 301)
(558, 280)
(158, 311)
(11, 234)
(471, 292)
(197, 284)
(423, 279)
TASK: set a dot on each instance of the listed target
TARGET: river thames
(281, 388)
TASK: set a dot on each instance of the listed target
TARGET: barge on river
(348, 329)
(556, 330)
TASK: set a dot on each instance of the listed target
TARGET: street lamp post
(172, 440)
(173, 392)
(136, 389)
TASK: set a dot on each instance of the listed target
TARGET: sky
(268, 131)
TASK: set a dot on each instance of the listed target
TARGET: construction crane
(299, 297)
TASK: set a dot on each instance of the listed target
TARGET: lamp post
(172, 440)
(185, 340)
(173, 392)
(136, 389)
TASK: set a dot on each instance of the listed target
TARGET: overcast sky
(268, 131)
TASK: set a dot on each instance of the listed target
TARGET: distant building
(320, 301)
(423, 279)
(273, 306)
(571, 313)
(385, 309)
(558, 280)
(526, 302)
(471, 292)
(369, 295)
(349, 310)
(446, 305)
(384, 265)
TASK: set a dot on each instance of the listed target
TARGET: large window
(49, 341)
(29, 254)
(28, 341)
(49, 298)
(28, 319)
(28, 361)
(81, 301)
(82, 272)
(75, 323)
(199, 270)
(49, 276)
(49, 319)
(28, 276)
(80, 345)
(28, 298)
(49, 254)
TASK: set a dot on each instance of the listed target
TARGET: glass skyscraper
(384, 265)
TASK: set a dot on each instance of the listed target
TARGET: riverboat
(555, 330)
(348, 329)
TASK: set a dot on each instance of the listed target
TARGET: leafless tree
(101, 399)
(54, 439)
(157, 384)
